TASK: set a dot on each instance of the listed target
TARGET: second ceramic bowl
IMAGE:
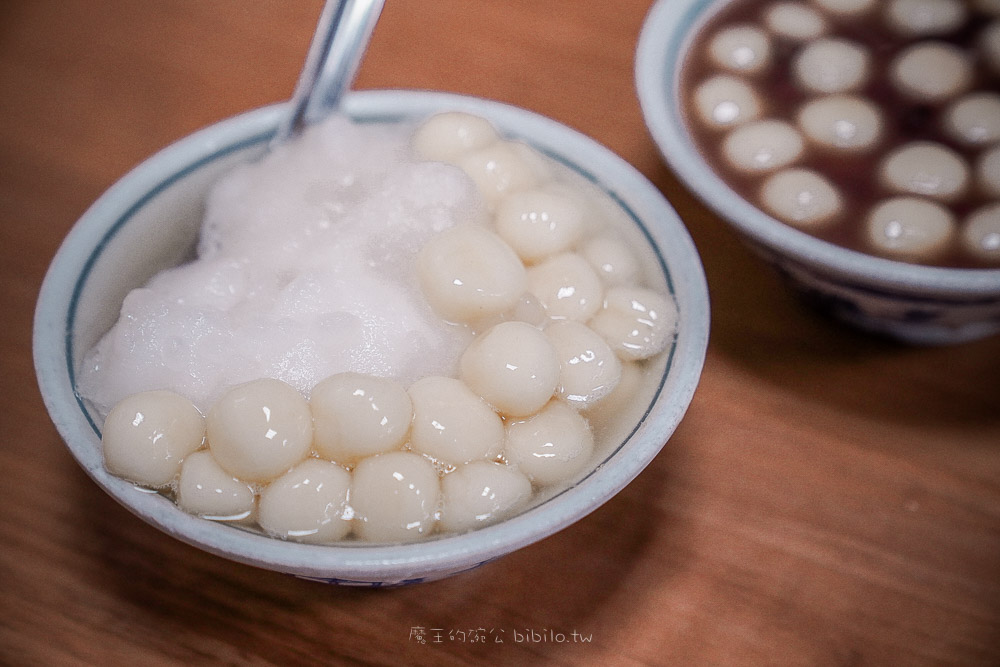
(909, 302)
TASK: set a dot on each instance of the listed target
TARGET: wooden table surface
(829, 499)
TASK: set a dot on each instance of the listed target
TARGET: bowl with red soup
(853, 144)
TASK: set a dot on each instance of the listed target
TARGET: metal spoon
(341, 36)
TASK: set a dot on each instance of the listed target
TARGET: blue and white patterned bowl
(149, 220)
(916, 304)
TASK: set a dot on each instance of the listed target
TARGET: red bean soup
(873, 125)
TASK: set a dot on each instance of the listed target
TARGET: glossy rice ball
(469, 273)
(981, 233)
(147, 435)
(763, 146)
(206, 490)
(260, 429)
(741, 48)
(451, 424)
(931, 71)
(539, 223)
(447, 136)
(500, 169)
(540, 165)
(357, 415)
(846, 7)
(726, 101)
(832, 65)
(308, 503)
(801, 197)
(910, 227)
(552, 446)
(513, 367)
(637, 323)
(603, 412)
(991, 7)
(974, 119)
(916, 18)
(394, 497)
(988, 171)
(842, 122)
(589, 369)
(481, 493)
(795, 20)
(989, 45)
(925, 168)
(612, 259)
(529, 310)
(567, 286)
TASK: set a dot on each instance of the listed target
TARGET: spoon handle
(342, 33)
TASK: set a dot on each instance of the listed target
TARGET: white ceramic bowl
(149, 221)
(918, 304)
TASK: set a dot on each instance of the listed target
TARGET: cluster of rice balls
(561, 324)
(930, 195)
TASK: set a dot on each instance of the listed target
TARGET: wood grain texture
(829, 499)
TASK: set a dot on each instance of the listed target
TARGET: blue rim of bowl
(665, 39)
(383, 560)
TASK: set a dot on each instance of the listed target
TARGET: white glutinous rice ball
(795, 20)
(307, 504)
(451, 424)
(480, 493)
(988, 171)
(395, 497)
(260, 429)
(540, 165)
(147, 435)
(589, 370)
(801, 197)
(567, 286)
(844, 122)
(724, 101)
(991, 7)
(602, 413)
(989, 45)
(502, 168)
(469, 273)
(448, 136)
(357, 415)
(916, 18)
(909, 227)
(974, 119)
(763, 145)
(831, 65)
(741, 48)
(845, 7)
(981, 232)
(931, 71)
(528, 309)
(636, 322)
(206, 490)
(540, 222)
(613, 260)
(925, 168)
(513, 367)
(551, 446)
